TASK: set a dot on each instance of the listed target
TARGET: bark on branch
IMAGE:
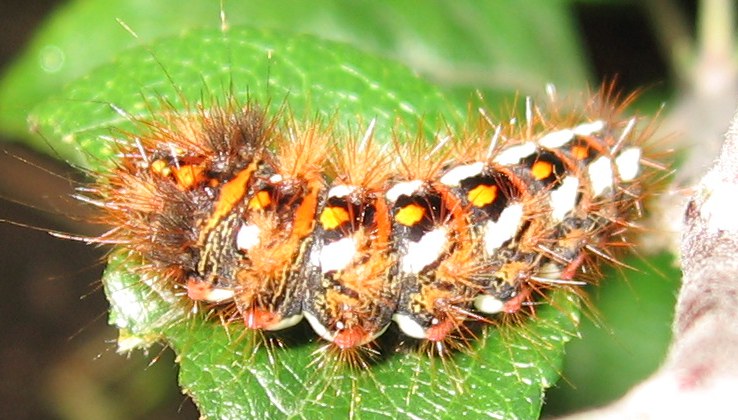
(699, 378)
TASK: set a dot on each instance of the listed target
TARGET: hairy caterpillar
(270, 220)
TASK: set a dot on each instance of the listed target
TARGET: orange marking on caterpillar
(189, 176)
(441, 330)
(231, 193)
(580, 152)
(305, 213)
(259, 319)
(197, 290)
(350, 337)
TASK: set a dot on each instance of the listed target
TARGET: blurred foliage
(501, 45)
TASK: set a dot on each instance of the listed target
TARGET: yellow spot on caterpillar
(541, 170)
(333, 217)
(260, 201)
(410, 215)
(482, 195)
(160, 167)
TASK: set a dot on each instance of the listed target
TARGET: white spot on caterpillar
(600, 175)
(559, 138)
(556, 139)
(425, 251)
(247, 237)
(337, 255)
(488, 304)
(285, 323)
(587, 129)
(564, 198)
(319, 328)
(403, 188)
(504, 229)
(328, 335)
(454, 176)
(409, 326)
(550, 271)
(515, 154)
(628, 163)
(275, 178)
(340, 191)
(216, 295)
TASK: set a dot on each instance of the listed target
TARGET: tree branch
(700, 374)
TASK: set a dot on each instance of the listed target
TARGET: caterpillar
(268, 220)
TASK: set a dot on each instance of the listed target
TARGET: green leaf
(311, 75)
(630, 341)
(493, 45)
(504, 374)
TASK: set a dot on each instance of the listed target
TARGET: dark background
(57, 358)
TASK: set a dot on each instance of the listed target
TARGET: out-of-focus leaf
(498, 45)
